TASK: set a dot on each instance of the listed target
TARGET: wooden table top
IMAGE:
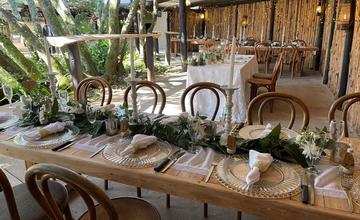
(187, 185)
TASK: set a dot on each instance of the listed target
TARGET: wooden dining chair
(94, 82)
(195, 88)
(261, 100)
(155, 88)
(17, 202)
(81, 94)
(268, 83)
(344, 103)
(37, 179)
(301, 55)
(263, 54)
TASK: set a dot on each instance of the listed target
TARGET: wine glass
(64, 99)
(8, 93)
(90, 114)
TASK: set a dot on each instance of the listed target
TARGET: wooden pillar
(168, 40)
(183, 34)
(344, 74)
(236, 20)
(330, 42)
(320, 35)
(271, 20)
(150, 58)
(75, 63)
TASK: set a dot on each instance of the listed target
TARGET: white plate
(50, 141)
(254, 131)
(147, 157)
(8, 120)
(279, 181)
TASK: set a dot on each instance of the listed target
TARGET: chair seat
(27, 206)
(262, 76)
(259, 82)
(128, 208)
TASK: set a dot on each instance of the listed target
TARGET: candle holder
(229, 105)
(135, 113)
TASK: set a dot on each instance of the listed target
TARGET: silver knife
(174, 159)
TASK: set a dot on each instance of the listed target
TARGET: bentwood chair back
(293, 58)
(344, 103)
(269, 97)
(155, 88)
(38, 176)
(263, 54)
(85, 85)
(195, 88)
(17, 203)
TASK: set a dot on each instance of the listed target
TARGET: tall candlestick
(283, 35)
(228, 32)
(262, 33)
(213, 32)
(232, 62)
(51, 75)
(205, 34)
(194, 32)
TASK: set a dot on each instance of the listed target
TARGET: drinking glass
(90, 114)
(64, 99)
(8, 93)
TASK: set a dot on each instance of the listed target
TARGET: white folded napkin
(328, 183)
(139, 141)
(93, 144)
(49, 129)
(199, 163)
(266, 131)
(258, 162)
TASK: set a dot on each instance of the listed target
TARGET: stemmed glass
(64, 99)
(8, 93)
(90, 114)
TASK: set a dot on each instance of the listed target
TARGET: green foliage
(99, 51)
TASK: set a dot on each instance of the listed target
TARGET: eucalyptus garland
(181, 131)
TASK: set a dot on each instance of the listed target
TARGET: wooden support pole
(271, 20)
(75, 63)
(168, 40)
(150, 58)
(320, 35)
(344, 74)
(236, 20)
(330, 42)
(183, 34)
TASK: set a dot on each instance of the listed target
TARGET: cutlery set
(164, 165)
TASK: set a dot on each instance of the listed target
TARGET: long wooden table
(187, 185)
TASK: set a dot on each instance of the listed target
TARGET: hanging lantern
(343, 18)
(244, 21)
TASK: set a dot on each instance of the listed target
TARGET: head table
(189, 185)
(245, 67)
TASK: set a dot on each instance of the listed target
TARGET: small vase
(312, 166)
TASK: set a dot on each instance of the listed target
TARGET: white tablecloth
(205, 101)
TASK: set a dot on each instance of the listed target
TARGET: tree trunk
(113, 59)
(15, 71)
(66, 26)
(34, 16)
(32, 41)
(19, 58)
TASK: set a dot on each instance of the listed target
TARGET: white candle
(205, 35)
(232, 62)
(228, 32)
(262, 33)
(240, 34)
(283, 35)
(213, 32)
(194, 31)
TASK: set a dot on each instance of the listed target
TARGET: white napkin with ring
(49, 129)
(258, 163)
(139, 141)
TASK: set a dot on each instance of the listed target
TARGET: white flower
(311, 150)
(169, 120)
(223, 139)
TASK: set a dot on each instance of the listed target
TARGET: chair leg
(238, 217)
(106, 184)
(138, 192)
(168, 201)
(205, 210)
(67, 212)
(253, 91)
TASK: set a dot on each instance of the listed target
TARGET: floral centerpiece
(314, 143)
